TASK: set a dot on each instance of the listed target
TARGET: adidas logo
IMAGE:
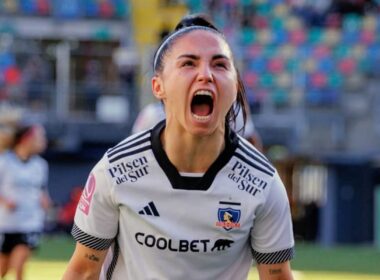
(150, 210)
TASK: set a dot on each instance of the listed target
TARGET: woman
(188, 199)
(23, 198)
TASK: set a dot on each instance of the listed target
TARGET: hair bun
(196, 20)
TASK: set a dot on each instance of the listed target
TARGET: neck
(22, 153)
(190, 153)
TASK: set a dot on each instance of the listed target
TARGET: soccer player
(189, 198)
(23, 198)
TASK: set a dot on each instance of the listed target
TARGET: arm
(5, 202)
(45, 200)
(272, 238)
(95, 226)
(85, 263)
(279, 271)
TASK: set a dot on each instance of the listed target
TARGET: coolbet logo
(246, 181)
(182, 245)
(228, 218)
(129, 171)
(87, 194)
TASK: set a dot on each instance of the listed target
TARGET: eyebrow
(197, 57)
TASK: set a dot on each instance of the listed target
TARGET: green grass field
(40, 270)
(311, 263)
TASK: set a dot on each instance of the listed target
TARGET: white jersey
(162, 224)
(22, 182)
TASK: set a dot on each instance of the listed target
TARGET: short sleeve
(272, 237)
(96, 217)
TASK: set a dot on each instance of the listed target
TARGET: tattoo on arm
(275, 271)
(92, 257)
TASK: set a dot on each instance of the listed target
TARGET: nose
(205, 73)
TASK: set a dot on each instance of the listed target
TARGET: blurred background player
(23, 198)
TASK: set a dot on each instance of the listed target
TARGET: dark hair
(196, 20)
(187, 24)
(20, 132)
(25, 130)
(202, 22)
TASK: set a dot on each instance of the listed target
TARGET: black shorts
(8, 241)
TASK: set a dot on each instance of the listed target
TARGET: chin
(202, 129)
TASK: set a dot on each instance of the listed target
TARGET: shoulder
(2, 160)
(41, 161)
(253, 158)
(3, 155)
(7, 157)
(132, 145)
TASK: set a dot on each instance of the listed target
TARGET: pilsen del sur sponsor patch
(87, 194)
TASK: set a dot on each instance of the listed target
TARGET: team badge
(228, 218)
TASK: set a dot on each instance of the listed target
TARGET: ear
(158, 88)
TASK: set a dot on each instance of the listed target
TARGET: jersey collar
(192, 183)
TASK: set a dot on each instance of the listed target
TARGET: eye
(221, 64)
(187, 63)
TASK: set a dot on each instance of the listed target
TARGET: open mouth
(202, 105)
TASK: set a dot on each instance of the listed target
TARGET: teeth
(201, 118)
(204, 92)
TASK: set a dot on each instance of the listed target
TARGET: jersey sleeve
(96, 217)
(272, 238)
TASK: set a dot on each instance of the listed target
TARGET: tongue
(201, 109)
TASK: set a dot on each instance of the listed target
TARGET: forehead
(201, 42)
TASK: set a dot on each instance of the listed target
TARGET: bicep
(279, 271)
(85, 263)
